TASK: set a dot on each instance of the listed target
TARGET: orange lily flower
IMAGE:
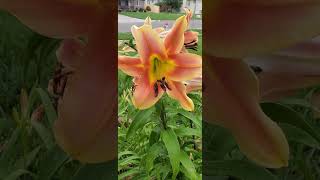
(86, 126)
(161, 67)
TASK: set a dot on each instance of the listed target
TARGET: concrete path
(125, 23)
(127, 19)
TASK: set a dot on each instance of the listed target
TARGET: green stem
(162, 113)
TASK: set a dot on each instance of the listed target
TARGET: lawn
(154, 16)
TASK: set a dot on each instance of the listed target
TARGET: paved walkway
(125, 23)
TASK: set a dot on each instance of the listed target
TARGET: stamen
(156, 90)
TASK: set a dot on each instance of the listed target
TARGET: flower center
(159, 68)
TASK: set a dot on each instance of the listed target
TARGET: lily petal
(187, 66)
(306, 49)
(54, 18)
(148, 43)
(191, 36)
(243, 28)
(86, 127)
(70, 52)
(144, 95)
(194, 84)
(283, 76)
(130, 65)
(175, 38)
(232, 100)
(178, 92)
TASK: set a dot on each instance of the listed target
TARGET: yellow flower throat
(159, 68)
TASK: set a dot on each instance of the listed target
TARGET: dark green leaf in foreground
(171, 142)
(284, 114)
(102, 171)
(240, 169)
(139, 121)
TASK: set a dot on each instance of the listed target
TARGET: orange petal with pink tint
(175, 38)
(144, 95)
(54, 18)
(244, 28)
(70, 52)
(178, 92)
(187, 67)
(130, 65)
(148, 42)
(232, 100)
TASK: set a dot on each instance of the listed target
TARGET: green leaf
(152, 154)
(172, 145)
(196, 120)
(284, 114)
(240, 169)
(190, 170)
(101, 171)
(134, 159)
(154, 136)
(183, 131)
(44, 134)
(16, 174)
(129, 173)
(51, 163)
(218, 142)
(140, 119)
(295, 134)
(26, 161)
(49, 109)
(10, 146)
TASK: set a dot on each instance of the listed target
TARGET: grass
(155, 16)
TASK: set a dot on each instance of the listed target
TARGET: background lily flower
(193, 84)
(236, 107)
(251, 27)
(57, 18)
(161, 67)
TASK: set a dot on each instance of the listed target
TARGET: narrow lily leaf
(56, 157)
(295, 134)
(44, 134)
(9, 147)
(191, 117)
(218, 142)
(129, 160)
(49, 109)
(240, 169)
(153, 153)
(188, 165)
(172, 145)
(139, 121)
(98, 171)
(24, 162)
(284, 114)
(16, 174)
(183, 131)
(129, 173)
